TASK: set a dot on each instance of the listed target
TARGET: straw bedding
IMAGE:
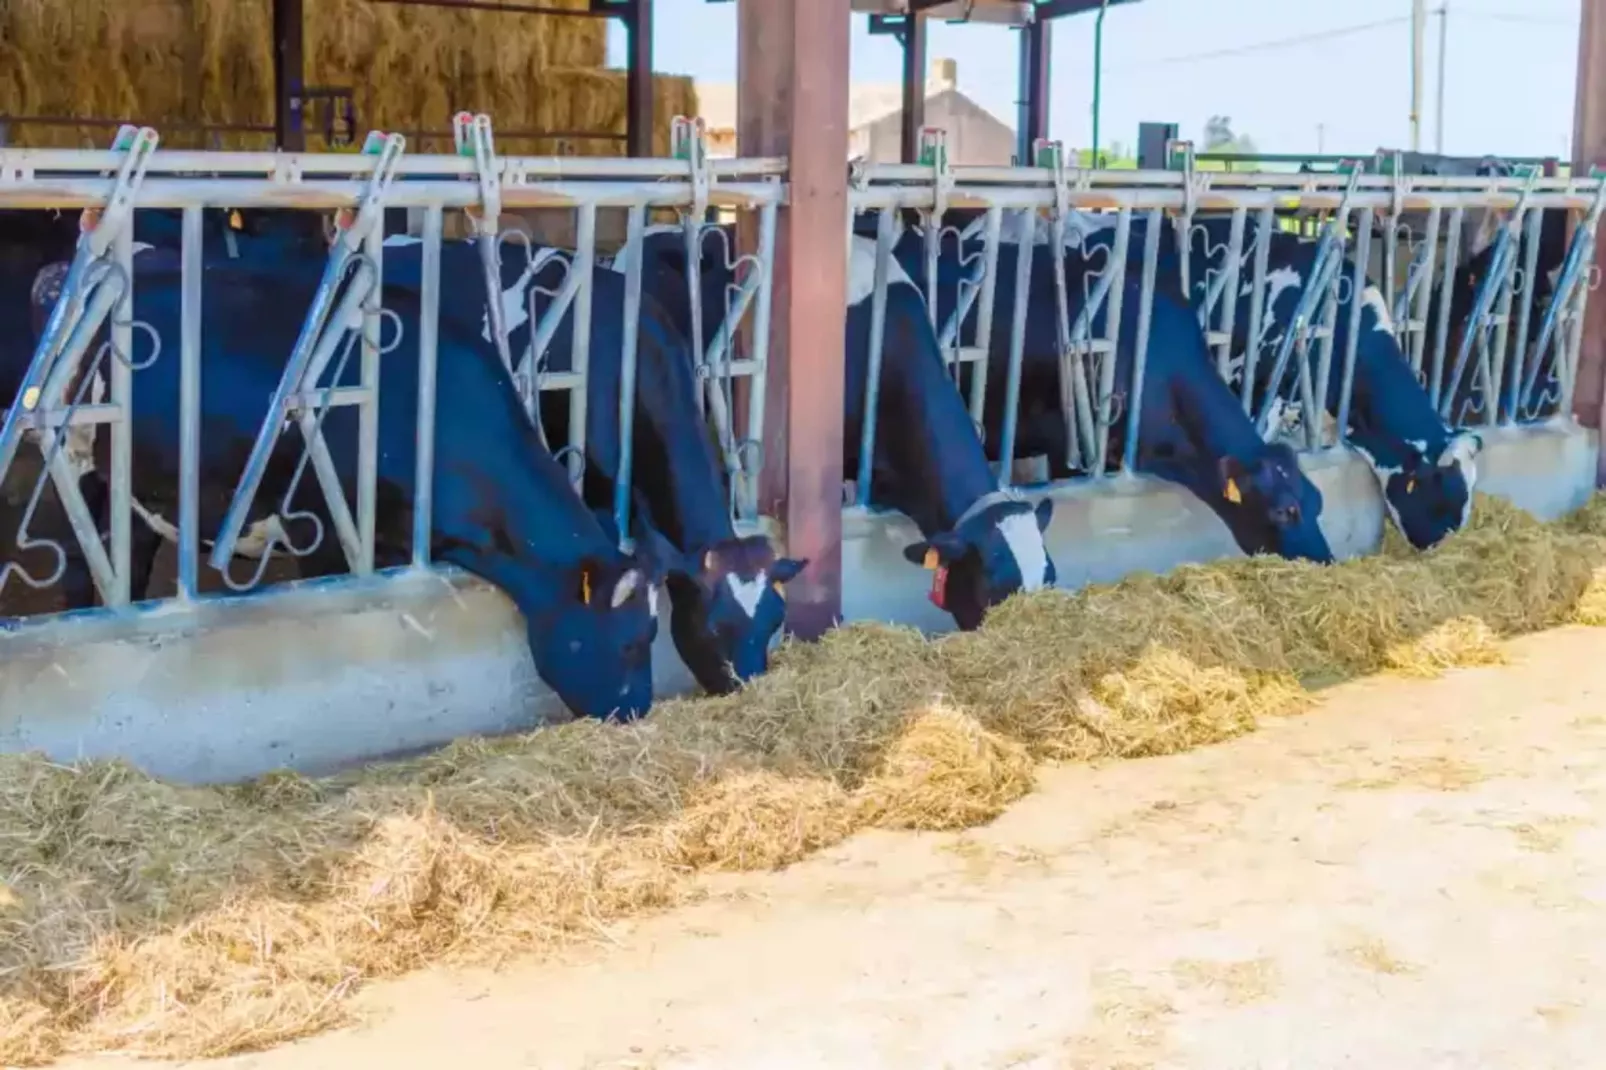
(152, 919)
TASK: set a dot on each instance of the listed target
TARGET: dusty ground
(1413, 876)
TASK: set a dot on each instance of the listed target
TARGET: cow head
(594, 646)
(1270, 505)
(726, 604)
(1429, 495)
(993, 551)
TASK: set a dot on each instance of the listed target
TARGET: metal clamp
(1401, 186)
(688, 139)
(471, 135)
(934, 154)
(1051, 155)
(353, 225)
(102, 224)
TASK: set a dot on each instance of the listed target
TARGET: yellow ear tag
(585, 587)
(931, 561)
(30, 398)
(780, 591)
(235, 222)
(708, 561)
(1232, 493)
(1410, 486)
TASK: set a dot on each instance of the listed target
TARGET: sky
(1297, 76)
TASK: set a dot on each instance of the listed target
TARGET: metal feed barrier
(346, 317)
(1515, 377)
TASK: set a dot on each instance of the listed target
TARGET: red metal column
(792, 81)
(1589, 148)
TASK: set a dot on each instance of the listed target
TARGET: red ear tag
(939, 588)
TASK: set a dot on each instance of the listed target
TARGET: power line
(1284, 42)
(1510, 17)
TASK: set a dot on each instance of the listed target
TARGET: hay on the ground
(141, 917)
(946, 772)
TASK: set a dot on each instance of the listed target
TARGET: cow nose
(1286, 516)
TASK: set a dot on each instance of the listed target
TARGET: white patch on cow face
(1372, 298)
(1025, 542)
(1462, 452)
(1469, 474)
(621, 263)
(652, 601)
(1383, 476)
(748, 593)
(861, 269)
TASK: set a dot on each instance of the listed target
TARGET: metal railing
(1506, 360)
(345, 318)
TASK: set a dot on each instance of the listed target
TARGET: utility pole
(1419, 26)
(1444, 43)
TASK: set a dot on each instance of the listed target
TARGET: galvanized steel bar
(1068, 365)
(120, 501)
(189, 407)
(1017, 347)
(1227, 295)
(1324, 356)
(1113, 297)
(1452, 252)
(330, 194)
(1140, 352)
(585, 251)
(1423, 292)
(429, 313)
(368, 410)
(992, 236)
(1265, 230)
(885, 236)
(758, 381)
(1358, 283)
(1518, 359)
(635, 225)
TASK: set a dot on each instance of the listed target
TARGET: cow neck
(924, 431)
(680, 458)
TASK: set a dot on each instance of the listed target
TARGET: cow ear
(786, 569)
(1233, 475)
(1045, 513)
(938, 552)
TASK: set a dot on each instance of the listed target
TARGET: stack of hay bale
(169, 63)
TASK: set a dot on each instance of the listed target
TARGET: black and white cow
(1192, 429)
(1469, 405)
(982, 545)
(1425, 468)
(725, 590)
(502, 509)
